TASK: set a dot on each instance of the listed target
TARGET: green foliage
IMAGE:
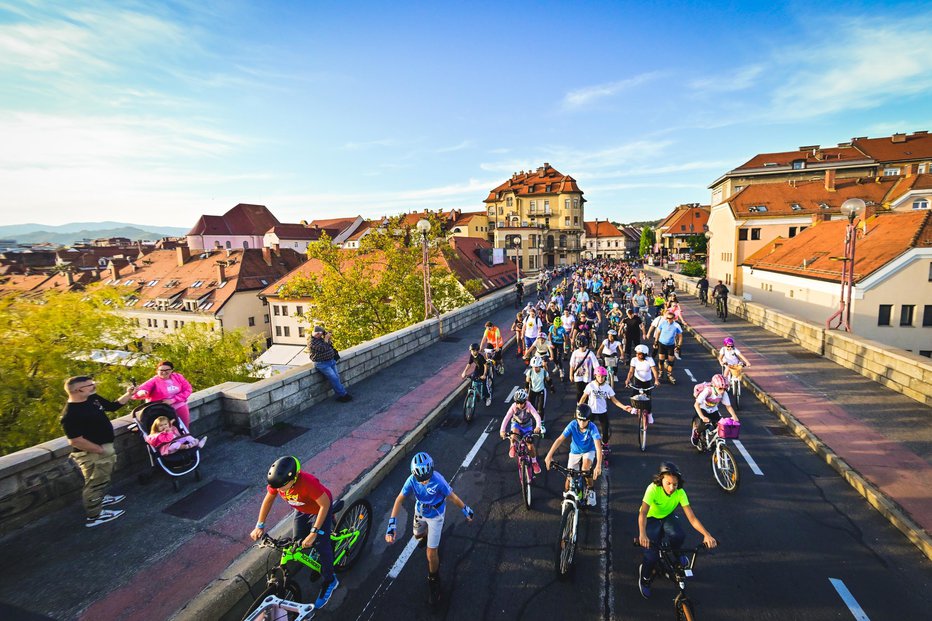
(473, 286)
(362, 294)
(697, 244)
(208, 357)
(692, 268)
(43, 340)
(647, 240)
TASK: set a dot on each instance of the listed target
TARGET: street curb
(887, 507)
(226, 591)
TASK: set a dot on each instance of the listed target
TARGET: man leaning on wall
(325, 357)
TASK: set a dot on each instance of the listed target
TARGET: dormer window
(920, 203)
(796, 207)
(196, 284)
(824, 206)
(152, 283)
(757, 208)
(799, 164)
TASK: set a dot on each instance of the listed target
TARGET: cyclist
(536, 378)
(585, 448)
(523, 419)
(540, 347)
(707, 402)
(640, 303)
(641, 371)
(731, 359)
(519, 293)
(312, 521)
(531, 328)
(492, 337)
(582, 365)
(557, 334)
(633, 328)
(659, 302)
(657, 521)
(669, 337)
(516, 328)
(673, 306)
(583, 327)
(478, 363)
(597, 393)
(720, 293)
(610, 348)
(703, 288)
(431, 492)
(615, 316)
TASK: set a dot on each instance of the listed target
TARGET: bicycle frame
(295, 553)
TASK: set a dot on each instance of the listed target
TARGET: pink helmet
(601, 371)
(729, 342)
(718, 381)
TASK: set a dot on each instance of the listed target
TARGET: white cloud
(738, 80)
(584, 96)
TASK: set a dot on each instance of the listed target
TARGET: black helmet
(668, 467)
(474, 347)
(582, 341)
(283, 471)
(583, 412)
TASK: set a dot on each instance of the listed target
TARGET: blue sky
(157, 112)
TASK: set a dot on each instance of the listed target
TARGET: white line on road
(514, 389)
(475, 449)
(856, 611)
(690, 374)
(749, 459)
(402, 559)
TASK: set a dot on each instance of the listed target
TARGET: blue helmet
(422, 466)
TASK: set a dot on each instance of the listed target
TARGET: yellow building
(543, 211)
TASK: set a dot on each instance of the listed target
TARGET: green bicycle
(349, 538)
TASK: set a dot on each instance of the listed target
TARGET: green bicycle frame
(342, 543)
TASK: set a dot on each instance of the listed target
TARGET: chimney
(819, 217)
(183, 255)
(830, 179)
(277, 249)
(870, 210)
(217, 245)
(69, 276)
(221, 274)
(910, 170)
(114, 271)
(898, 138)
(267, 256)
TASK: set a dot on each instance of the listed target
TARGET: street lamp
(842, 317)
(708, 251)
(423, 227)
(516, 243)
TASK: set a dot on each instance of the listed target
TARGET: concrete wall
(902, 371)
(41, 479)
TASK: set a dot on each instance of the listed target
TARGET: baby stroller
(176, 464)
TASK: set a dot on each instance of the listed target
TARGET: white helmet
(537, 361)
(641, 349)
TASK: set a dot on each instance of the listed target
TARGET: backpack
(698, 388)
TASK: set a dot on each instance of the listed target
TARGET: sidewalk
(879, 440)
(149, 563)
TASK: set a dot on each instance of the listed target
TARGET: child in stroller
(175, 463)
(165, 436)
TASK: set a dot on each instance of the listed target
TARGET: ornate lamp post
(516, 244)
(842, 317)
(423, 227)
(708, 251)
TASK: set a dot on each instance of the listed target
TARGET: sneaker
(694, 438)
(488, 401)
(511, 451)
(543, 429)
(106, 515)
(326, 591)
(112, 500)
(643, 585)
(345, 398)
(590, 498)
(672, 379)
(536, 467)
(433, 589)
(650, 419)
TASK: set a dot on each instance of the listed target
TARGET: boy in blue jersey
(430, 491)
(585, 447)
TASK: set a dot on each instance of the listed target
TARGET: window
(533, 206)
(501, 210)
(755, 234)
(566, 223)
(920, 203)
(278, 330)
(245, 245)
(727, 279)
(298, 310)
(266, 318)
(229, 245)
(252, 322)
(922, 169)
(682, 227)
(164, 323)
(930, 272)
(575, 203)
(287, 331)
(507, 202)
(883, 314)
(196, 284)
(742, 234)
(891, 171)
(796, 207)
(799, 164)
(793, 231)
(566, 204)
(926, 352)
(906, 314)
(576, 220)
(300, 332)
(549, 188)
(275, 309)
(927, 316)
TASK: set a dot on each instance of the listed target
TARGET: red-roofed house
(604, 240)
(242, 227)
(293, 236)
(892, 294)
(471, 224)
(682, 223)
(338, 229)
(543, 210)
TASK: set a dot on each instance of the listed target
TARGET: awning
(284, 355)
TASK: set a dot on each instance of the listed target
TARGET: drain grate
(780, 431)
(281, 435)
(199, 503)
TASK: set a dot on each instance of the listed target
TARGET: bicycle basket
(728, 428)
(640, 402)
(611, 361)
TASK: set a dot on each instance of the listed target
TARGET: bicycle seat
(337, 506)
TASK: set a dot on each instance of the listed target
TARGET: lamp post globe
(423, 226)
(852, 207)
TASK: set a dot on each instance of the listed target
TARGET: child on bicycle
(479, 365)
(732, 360)
(597, 394)
(657, 521)
(537, 380)
(585, 448)
(168, 439)
(708, 398)
(521, 419)
(431, 492)
(312, 520)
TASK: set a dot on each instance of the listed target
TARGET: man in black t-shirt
(632, 326)
(90, 434)
(476, 368)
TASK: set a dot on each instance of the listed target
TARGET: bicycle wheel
(684, 608)
(736, 392)
(357, 519)
(469, 405)
(567, 547)
(524, 477)
(642, 430)
(725, 468)
(489, 384)
(695, 437)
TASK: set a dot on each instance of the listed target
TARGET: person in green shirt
(657, 520)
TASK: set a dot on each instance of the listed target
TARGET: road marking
(511, 394)
(402, 559)
(846, 596)
(749, 459)
(475, 448)
(690, 374)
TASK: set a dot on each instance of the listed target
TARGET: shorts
(433, 526)
(522, 430)
(575, 459)
(666, 350)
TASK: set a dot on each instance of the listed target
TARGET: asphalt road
(796, 542)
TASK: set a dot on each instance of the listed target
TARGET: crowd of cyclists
(609, 322)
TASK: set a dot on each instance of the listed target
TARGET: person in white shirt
(732, 360)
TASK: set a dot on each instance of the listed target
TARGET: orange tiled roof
(37, 283)
(536, 184)
(602, 228)
(897, 148)
(812, 155)
(465, 218)
(888, 236)
(361, 231)
(295, 231)
(688, 220)
(244, 219)
(467, 265)
(807, 197)
(677, 213)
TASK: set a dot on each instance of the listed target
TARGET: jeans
(658, 529)
(96, 469)
(328, 369)
(301, 528)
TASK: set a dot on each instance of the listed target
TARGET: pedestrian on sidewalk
(325, 357)
(169, 387)
(90, 434)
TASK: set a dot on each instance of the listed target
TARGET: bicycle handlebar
(571, 472)
(641, 390)
(523, 436)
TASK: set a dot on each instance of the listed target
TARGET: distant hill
(76, 231)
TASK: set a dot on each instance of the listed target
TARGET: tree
(692, 268)
(697, 244)
(46, 339)
(647, 240)
(362, 294)
(207, 357)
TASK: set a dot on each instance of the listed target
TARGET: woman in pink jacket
(168, 387)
